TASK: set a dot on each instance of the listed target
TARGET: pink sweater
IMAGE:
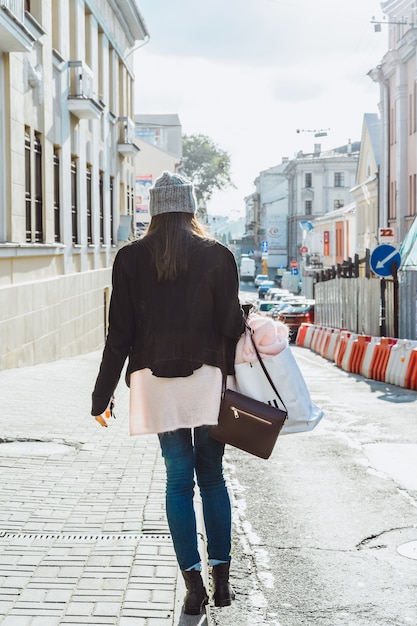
(159, 405)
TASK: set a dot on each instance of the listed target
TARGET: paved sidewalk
(83, 534)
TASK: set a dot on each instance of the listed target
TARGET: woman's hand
(100, 419)
(108, 413)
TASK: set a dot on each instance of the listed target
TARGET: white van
(247, 268)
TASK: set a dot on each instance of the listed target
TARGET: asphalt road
(326, 529)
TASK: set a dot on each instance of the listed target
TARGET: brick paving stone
(84, 539)
(16, 620)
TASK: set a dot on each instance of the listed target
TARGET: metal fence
(369, 305)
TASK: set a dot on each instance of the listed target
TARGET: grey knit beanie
(171, 193)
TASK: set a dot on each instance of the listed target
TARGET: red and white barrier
(411, 374)
(301, 334)
(398, 362)
(348, 352)
(381, 358)
(357, 353)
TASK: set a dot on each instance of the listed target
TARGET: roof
(157, 119)
(344, 210)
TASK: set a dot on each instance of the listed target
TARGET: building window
(339, 242)
(130, 200)
(326, 243)
(57, 203)
(308, 207)
(33, 188)
(101, 200)
(74, 201)
(28, 186)
(112, 237)
(89, 206)
(37, 148)
(339, 179)
(338, 204)
(308, 179)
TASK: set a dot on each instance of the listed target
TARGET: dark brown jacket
(172, 327)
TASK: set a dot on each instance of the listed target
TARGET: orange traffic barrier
(357, 355)
(316, 338)
(308, 336)
(411, 374)
(325, 341)
(301, 335)
(398, 362)
(332, 344)
(341, 347)
(348, 352)
(367, 359)
(380, 358)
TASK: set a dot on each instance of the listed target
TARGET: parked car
(260, 278)
(275, 293)
(264, 287)
(293, 314)
(265, 307)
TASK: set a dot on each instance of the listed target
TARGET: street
(326, 529)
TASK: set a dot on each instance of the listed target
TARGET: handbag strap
(263, 365)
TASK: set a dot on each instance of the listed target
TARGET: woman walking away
(175, 314)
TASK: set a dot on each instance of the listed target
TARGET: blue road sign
(294, 271)
(382, 259)
(264, 245)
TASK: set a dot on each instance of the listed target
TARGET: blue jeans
(204, 456)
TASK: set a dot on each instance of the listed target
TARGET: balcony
(81, 100)
(14, 36)
(126, 136)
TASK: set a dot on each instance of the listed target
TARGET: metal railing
(80, 80)
(16, 7)
(126, 130)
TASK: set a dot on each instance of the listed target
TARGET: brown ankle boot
(196, 597)
(223, 593)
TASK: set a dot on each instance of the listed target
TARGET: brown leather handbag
(249, 424)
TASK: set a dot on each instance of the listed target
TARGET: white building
(318, 183)
(67, 178)
(159, 138)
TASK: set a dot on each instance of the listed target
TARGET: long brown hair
(169, 238)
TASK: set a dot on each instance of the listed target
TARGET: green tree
(206, 165)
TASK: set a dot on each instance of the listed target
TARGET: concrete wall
(43, 321)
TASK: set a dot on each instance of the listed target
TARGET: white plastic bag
(303, 414)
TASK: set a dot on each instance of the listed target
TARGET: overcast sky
(250, 73)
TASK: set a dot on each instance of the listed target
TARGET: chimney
(317, 149)
(285, 159)
(349, 147)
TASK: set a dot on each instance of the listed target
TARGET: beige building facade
(365, 191)
(67, 187)
(396, 76)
